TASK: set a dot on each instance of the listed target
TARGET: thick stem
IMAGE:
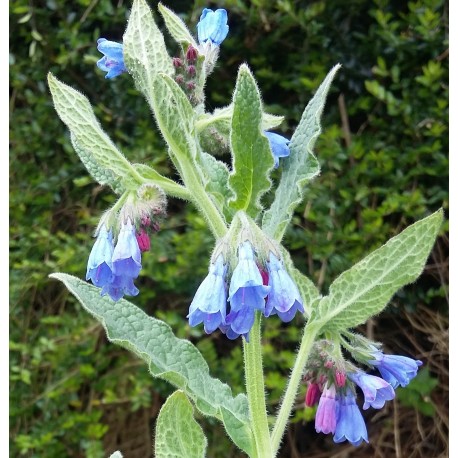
(255, 389)
(310, 332)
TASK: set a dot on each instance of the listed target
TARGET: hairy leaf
(98, 153)
(366, 288)
(169, 358)
(176, 27)
(301, 165)
(252, 158)
(145, 54)
(177, 433)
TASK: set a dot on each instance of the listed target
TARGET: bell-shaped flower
(112, 61)
(99, 265)
(326, 414)
(350, 423)
(212, 26)
(376, 390)
(210, 301)
(278, 145)
(284, 298)
(395, 369)
(126, 262)
(246, 291)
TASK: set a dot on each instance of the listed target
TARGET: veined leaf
(176, 27)
(145, 54)
(177, 433)
(366, 288)
(301, 165)
(169, 358)
(252, 158)
(95, 149)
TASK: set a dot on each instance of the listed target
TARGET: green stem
(255, 389)
(310, 332)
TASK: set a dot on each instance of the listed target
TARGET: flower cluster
(334, 391)
(114, 267)
(268, 289)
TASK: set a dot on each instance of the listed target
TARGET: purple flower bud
(177, 62)
(179, 79)
(278, 145)
(326, 414)
(212, 26)
(396, 370)
(113, 59)
(376, 390)
(143, 240)
(341, 378)
(350, 423)
(210, 301)
(284, 298)
(190, 85)
(191, 70)
(313, 394)
(99, 265)
(191, 54)
(246, 291)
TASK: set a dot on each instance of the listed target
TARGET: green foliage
(386, 170)
(177, 433)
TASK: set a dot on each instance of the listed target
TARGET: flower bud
(191, 54)
(177, 62)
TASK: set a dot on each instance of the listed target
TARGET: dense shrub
(384, 162)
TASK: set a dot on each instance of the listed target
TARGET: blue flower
(99, 265)
(278, 145)
(326, 413)
(350, 423)
(376, 390)
(246, 292)
(210, 301)
(113, 60)
(396, 370)
(126, 262)
(284, 298)
(212, 26)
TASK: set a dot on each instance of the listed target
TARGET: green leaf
(145, 54)
(175, 117)
(216, 175)
(169, 358)
(176, 27)
(252, 158)
(301, 165)
(95, 149)
(366, 288)
(177, 433)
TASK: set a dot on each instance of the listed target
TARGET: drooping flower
(313, 394)
(212, 26)
(126, 262)
(144, 242)
(395, 369)
(326, 414)
(278, 145)
(350, 423)
(112, 61)
(284, 298)
(99, 265)
(246, 291)
(210, 301)
(376, 390)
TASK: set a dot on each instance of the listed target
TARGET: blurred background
(384, 160)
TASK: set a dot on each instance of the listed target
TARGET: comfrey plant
(250, 276)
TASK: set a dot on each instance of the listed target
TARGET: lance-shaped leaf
(97, 152)
(175, 117)
(176, 27)
(252, 158)
(177, 433)
(301, 165)
(145, 54)
(366, 288)
(169, 358)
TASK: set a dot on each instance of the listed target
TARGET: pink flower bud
(313, 394)
(341, 378)
(179, 79)
(191, 86)
(177, 62)
(265, 277)
(191, 54)
(143, 240)
(191, 70)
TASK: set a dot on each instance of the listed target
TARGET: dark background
(384, 159)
